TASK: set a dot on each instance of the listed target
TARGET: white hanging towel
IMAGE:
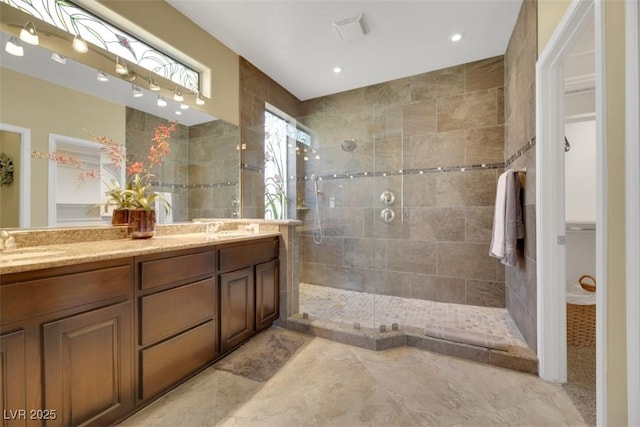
(507, 219)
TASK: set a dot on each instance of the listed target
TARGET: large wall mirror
(48, 97)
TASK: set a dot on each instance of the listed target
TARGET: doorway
(551, 220)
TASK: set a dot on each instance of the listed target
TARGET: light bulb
(199, 100)
(79, 45)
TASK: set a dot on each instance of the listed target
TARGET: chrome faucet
(7, 241)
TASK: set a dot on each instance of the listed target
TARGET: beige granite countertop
(57, 255)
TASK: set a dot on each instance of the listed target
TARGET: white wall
(580, 172)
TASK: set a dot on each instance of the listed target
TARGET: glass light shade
(58, 58)
(199, 100)
(102, 77)
(136, 91)
(153, 85)
(79, 45)
(184, 107)
(14, 47)
(29, 34)
(161, 102)
(121, 67)
(177, 95)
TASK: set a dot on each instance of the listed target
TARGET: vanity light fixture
(58, 58)
(79, 45)
(14, 47)
(153, 85)
(184, 107)
(29, 34)
(121, 66)
(456, 37)
(199, 99)
(136, 91)
(161, 102)
(177, 95)
(102, 76)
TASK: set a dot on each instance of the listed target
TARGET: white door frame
(24, 172)
(550, 218)
(632, 198)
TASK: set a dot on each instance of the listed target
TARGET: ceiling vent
(351, 28)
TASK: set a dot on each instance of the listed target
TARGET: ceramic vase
(120, 216)
(142, 223)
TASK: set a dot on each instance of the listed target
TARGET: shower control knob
(387, 197)
(387, 215)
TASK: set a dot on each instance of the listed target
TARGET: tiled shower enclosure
(436, 141)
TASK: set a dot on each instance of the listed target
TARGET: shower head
(314, 177)
(349, 145)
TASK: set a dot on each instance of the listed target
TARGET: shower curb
(517, 358)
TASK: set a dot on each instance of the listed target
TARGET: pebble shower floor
(370, 311)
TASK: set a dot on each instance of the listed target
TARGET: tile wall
(519, 151)
(214, 171)
(437, 141)
(201, 171)
(256, 90)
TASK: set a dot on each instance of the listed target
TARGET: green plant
(136, 193)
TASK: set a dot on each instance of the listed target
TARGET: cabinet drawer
(170, 312)
(170, 361)
(183, 268)
(23, 300)
(236, 257)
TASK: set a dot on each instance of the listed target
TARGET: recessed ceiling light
(456, 37)
(337, 70)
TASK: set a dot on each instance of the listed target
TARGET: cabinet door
(88, 366)
(267, 294)
(237, 307)
(13, 382)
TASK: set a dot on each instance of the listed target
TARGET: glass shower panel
(347, 273)
(389, 221)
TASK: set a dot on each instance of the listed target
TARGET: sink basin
(27, 253)
(234, 232)
(229, 233)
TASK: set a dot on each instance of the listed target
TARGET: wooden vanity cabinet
(13, 381)
(267, 294)
(177, 332)
(87, 344)
(249, 289)
(66, 344)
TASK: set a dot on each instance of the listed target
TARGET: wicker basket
(581, 325)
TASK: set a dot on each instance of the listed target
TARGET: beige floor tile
(331, 384)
